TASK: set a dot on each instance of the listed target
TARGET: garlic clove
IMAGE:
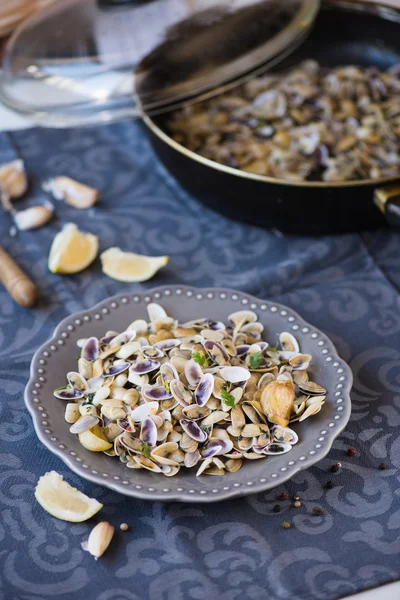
(13, 178)
(72, 192)
(99, 539)
(33, 217)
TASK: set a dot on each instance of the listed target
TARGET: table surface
(346, 285)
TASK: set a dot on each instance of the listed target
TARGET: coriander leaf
(255, 360)
(199, 358)
(273, 348)
(144, 449)
(227, 398)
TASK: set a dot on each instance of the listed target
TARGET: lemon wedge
(72, 251)
(63, 501)
(94, 440)
(130, 267)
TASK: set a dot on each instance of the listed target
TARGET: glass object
(81, 63)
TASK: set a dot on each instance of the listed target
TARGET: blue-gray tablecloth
(346, 285)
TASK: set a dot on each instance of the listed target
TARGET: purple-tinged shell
(144, 366)
(193, 430)
(106, 340)
(152, 352)
(263, 345)
(167, 344)
(116, 369)
(123, 338)
(168, 372)
(215, 325)
(124, 425)
(215, 447)
(156, 392)
(204, 390)
(90, 350)
(242, 350)
(284, 435)
(180, 392)
(193, 373)
(148, 432)
(191, 459)
(68, 394)
(84, 423)
(211, 346)
(275, 449)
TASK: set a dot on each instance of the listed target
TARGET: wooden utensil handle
(16, 282)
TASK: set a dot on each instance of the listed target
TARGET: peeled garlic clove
(72, 192)
(33, 217)
(99, 539)
(277, 401)
(13, 178)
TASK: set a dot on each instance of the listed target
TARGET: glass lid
(84, 62)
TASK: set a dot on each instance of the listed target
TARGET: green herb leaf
(255, 360)
(199, 358)
(167, 386)
(273, 348)
(77, 357)
(62, 387)
(144, 449)
(228, 399)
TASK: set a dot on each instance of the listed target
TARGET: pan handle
(387, 199)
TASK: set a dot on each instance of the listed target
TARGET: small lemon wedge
(130, 267)
(63, 501)
(72, 251)
(94, 440)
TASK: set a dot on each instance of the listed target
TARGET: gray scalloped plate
(57, 356)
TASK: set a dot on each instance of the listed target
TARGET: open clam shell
(204, 389)
(90, 350)
(193, 430)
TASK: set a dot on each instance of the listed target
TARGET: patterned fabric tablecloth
(346, 285)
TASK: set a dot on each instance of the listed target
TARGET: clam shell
(143, 411)
(204, 389)
(193, 430)
(235, 374)
(139, 326)
(311, 388)
(116, 369)
(146, 463)
(300, 362)
(168, 372)
(168, 344)
(192, 458)
(275, 448)
(203, 466)
(142, 367)
(180, 392)
(155, 392)
(68, 394)
(90, 350)
(85, 368)
(216, 447)
(169, 470)
(233, 465)
(215, 417)
(288, 342)
(193, 373)
(160, 453)
(77, 382)
(128, 350)
(148, 432)
(156, 312)
(84, 423)
(242, 317)
(217, 351)
(195, 412)
(284, 435)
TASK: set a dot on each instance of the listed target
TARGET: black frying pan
(345, 32)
